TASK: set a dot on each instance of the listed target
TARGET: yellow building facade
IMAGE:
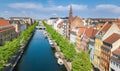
(97, 51)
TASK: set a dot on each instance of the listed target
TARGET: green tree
(11, 47)
(81, 62)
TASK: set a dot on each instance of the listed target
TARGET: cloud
(79, 7)
(74, 7)
(51, 3)
(109, 7)
(6, 12)
(39, 6)
(24, 5)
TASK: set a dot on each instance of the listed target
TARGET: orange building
(7, 31)
(73, 23)
(107, 30)
(109, 45)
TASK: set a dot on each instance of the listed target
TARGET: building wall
(114, 65)
(55, 26)
(116, 45)
(72, 37)
(50, 21)
(29, 20)
(68, 31)
(77, 41)
(114, 28)
(104, 60)
(97, 51)
(64, 29)
(91, 50)
(7, 34)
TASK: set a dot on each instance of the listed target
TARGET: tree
(10, 48)
(81, 62)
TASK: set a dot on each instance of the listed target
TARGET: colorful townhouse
(55, 24)
(60, 28)
(110, 44)
(90, 34)
(79, 36)
(107, 30)
(64, 28)
(115, 60)
(19, 25)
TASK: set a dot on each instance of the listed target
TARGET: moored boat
(60, 61)
(57, 55)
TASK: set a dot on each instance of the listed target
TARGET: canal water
(38, 56)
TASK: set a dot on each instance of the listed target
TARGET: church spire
(70, 14)
(70, 9)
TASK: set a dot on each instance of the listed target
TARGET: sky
(41, 9)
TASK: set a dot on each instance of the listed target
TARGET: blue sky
(59, 8)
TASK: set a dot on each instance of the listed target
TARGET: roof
(14, 22)
(112, 38)
(90, 32)
(8, 28)
(77, 22)
(4, 22)
(81, 30)
(117, 51)
(105, 28)
(118, 23)
(94, 32)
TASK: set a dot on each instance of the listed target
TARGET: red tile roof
(90, 32)
(94, 32)
(81, 30)
(10, 28)
(4, 22)
(105, 28)
(113, 38)
(117, 51)
(77, 22)
(118, 23)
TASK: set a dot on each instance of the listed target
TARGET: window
(114, 63)
(117, 64)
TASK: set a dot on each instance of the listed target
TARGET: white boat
(57, 55)
(45, 35)
(60, 61)
(50, 42)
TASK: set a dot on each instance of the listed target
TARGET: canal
(38, 56)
